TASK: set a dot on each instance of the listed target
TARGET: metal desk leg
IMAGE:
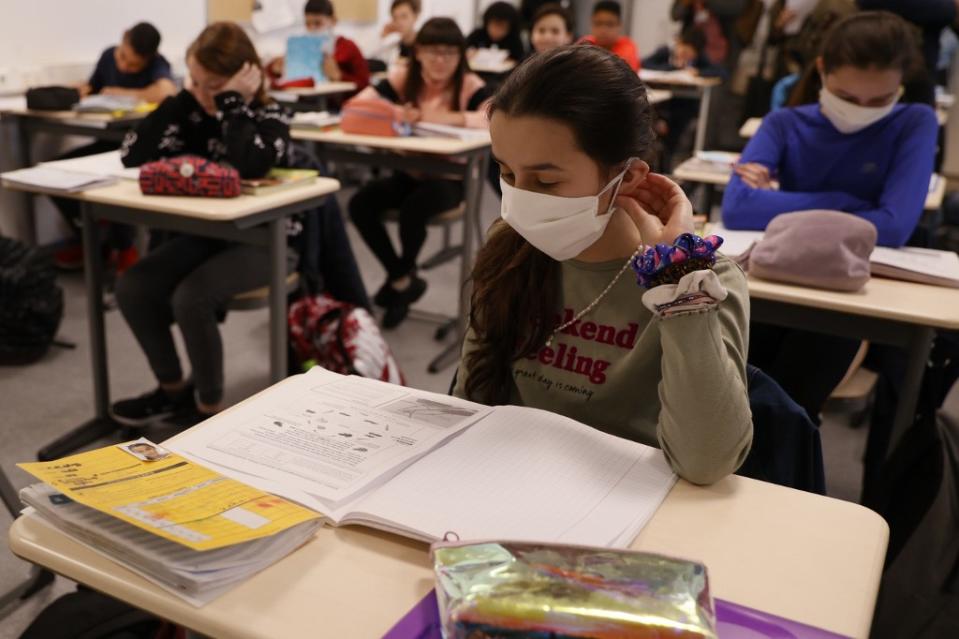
(278, 300)
(26, 160)
(476, 174)
(920, 343)
(704, 100)
(101, 425)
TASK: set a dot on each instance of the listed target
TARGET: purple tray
(734, 621)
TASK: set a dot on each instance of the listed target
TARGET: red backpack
(341, 338)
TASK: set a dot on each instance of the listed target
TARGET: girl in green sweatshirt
(591, 297)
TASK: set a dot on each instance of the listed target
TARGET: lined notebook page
(526, 474)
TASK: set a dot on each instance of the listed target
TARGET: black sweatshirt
(251, 138)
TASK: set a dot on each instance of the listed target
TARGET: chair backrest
(786, 449)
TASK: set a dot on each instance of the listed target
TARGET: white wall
(651, 26)
(70, 34)
(58, 41)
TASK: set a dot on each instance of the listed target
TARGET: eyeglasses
(440, 52)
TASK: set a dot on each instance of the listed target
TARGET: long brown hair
(516, 287)
(223, 48)
(437, 31)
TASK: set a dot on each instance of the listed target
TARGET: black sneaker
(187, 417)
(409, 294)
(152, 407)
(385, 295)
(395, 315)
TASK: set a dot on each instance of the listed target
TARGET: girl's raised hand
(660, 209)
(246, 81)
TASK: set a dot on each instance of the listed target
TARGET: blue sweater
(880, 174)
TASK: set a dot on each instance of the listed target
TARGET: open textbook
(421, 465)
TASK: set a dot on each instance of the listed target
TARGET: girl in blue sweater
(858, 150)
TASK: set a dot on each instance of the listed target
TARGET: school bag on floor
(31, 303)
(340, 337)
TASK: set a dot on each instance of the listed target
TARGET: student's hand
(114, 91)
(247, 81)
(754, 175)
(331, 69)
(411, 114)
(660, 210)
(276, 67)
(389, 28)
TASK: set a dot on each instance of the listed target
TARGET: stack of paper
(315, 119)
(180, 525)
(106, 164)
(56, 180)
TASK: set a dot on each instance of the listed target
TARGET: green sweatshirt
(677, 383)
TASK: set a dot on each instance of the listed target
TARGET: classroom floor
(41, 401)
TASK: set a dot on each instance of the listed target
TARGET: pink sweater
(434, 99)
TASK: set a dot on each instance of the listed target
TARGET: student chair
(444, 220)
(855, 393)
(260, 297)
(38, 578)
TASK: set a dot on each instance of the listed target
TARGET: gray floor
(41, 401)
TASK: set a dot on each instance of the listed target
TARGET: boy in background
(500, 30)
(134, 68)
(607, 32)
(403, 17)
(347, 63)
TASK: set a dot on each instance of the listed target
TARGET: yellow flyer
(169, 496)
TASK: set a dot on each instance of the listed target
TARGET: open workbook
(419, 464)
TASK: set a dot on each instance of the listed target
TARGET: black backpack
(53, 98)
(86, 614)
(31, 303)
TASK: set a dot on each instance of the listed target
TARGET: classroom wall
(38, 34)
(57, 42)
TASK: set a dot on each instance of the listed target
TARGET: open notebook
(421, 465)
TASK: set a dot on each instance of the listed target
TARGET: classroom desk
(751, 126)
(684, 172)
(684, 85)
(434, 155)
(259, 220)
(885, 311)
(101, 126)
(797, 555)
(311, 98)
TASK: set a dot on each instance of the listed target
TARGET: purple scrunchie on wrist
(664, 264)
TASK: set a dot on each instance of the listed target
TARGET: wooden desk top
(323, 88)
(656, 96)
(921, 304)
(126, 193)
(793, 554)
(677, 79)
(91, 120)
(416, 144)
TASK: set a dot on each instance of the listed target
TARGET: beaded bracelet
(663, 264)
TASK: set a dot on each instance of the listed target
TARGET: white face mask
(561, 227)
(848, 117)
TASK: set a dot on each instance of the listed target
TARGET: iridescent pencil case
(517, 589)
